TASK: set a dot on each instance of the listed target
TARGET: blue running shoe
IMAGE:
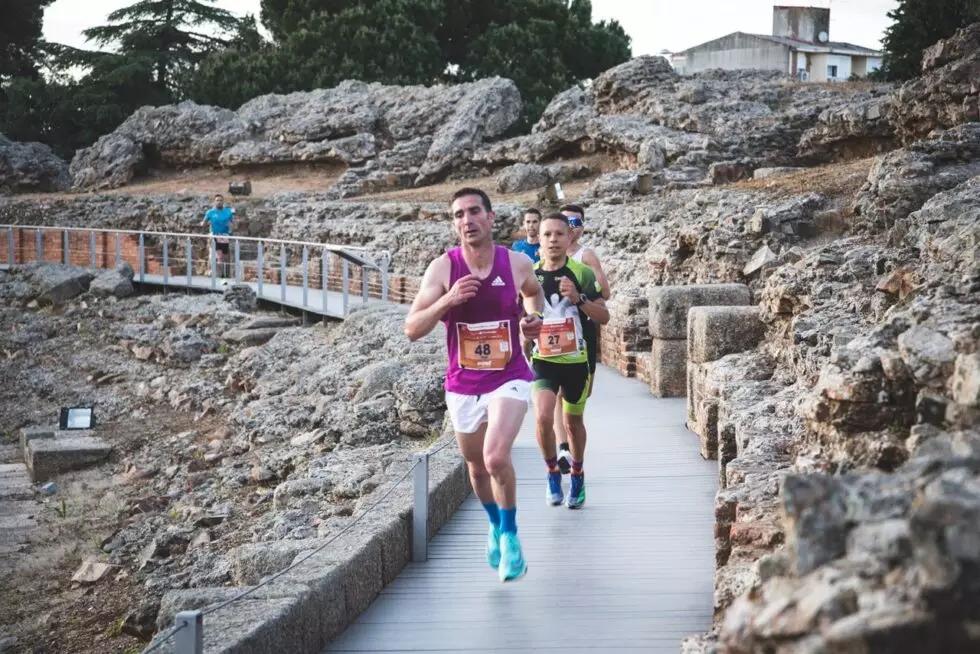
(576, 494)
(555, 494)
(512, 563)
(493, 547)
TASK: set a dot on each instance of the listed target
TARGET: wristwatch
(581, 300)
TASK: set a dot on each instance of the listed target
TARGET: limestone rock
(117, 283)
(947, 94)
(31, 167)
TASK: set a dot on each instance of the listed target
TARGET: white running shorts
(468, 412)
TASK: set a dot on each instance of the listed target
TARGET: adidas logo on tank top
(497, 281)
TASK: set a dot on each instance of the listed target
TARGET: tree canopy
(161, 51)
(20, 37)
(917, 25)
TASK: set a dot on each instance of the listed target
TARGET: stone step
(10, 454)
(15, 484)
(16, 522)
(49, 457)
(19, 507)
(15, 536)
(12, 470)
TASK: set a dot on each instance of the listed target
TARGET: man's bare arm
(590, 259)
(596, 310)
(434, 300)
(532, 295)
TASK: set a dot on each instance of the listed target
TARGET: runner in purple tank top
(474, 290)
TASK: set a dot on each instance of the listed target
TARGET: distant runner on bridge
(573, 298)
(530, 245)
(220, 218)
(474, 290)
(581, 253)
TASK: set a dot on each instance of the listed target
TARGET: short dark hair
(557, 216)
(573, 207)
(468, 190)
(218, 195)
(534, 211)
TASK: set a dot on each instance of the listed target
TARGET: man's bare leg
(561, 436)
(505, 418)
(547, 405)
(471, 447)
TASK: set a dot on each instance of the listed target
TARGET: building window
(831, 72)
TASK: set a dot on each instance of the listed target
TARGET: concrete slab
(49, 457)
(713, 332)
(27, 434)
(668, 368)
(669, 305)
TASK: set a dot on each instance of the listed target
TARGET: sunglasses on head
(575, 222)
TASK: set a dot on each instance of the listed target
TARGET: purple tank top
(496, 301)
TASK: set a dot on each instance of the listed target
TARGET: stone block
(47, 457)
(250, 336)
(716, 331)
(669, 305)
(702, 409)
(27, 434)
(668, 368)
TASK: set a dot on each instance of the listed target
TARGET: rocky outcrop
(849, 131)
(883, 563)
(352, 123)
(901, 181)
(947, 93)
(30, 167)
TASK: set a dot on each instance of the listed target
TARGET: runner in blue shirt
(220, 218)
(530, 245)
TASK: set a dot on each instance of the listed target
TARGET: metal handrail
(191, 622)
(385, 255)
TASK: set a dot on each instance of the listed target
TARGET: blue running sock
(493, 513)
(508, 521)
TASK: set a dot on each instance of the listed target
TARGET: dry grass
(837, 180)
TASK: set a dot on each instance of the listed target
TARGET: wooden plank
(630, 572)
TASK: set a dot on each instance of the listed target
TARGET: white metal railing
(300, 269)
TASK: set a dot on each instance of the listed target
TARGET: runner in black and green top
(560, 357)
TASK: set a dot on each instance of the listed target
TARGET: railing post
(306, 275)
(38, 245)
(91, 250)
(261, 267)
(118, 251)
(238, 261)
(282, 273)
(188, 254)
(324, 274)
(420, 509)
(364, 284)
(213, 257)
(141, 253)
(65, 248)
(166, 261)
(345, 284)
(384, 285)
(189, 638)
(10, 246)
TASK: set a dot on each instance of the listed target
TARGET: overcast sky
(654, 25)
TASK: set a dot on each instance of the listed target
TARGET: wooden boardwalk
(630, 572)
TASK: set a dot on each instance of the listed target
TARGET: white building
(799, 45)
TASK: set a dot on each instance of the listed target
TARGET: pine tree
(174, 34)
(20, 37)
(918, 24)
